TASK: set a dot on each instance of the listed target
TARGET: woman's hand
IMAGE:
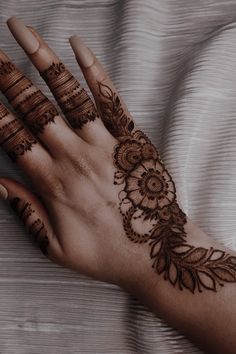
(105, 205)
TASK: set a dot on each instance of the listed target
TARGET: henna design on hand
(36, 228)
(35, 109)
(148, 202)
(71, 97)
(114, 117)
(15, 139)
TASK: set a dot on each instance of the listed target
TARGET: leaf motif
(117, 101)
(182, 249)
(216, 255)
(106, 109)
(123, 120)
(224, 274)
(196, 255)
(232, 260)
(176, 229)
(173, 273)
(130, 126)
(105, 91)
(155, 249)
(161, 264)
(187, 279)
(157, 232)
(207, 280)
(179, 240)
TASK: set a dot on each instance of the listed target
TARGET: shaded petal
(135, 196)
(137, 172)
(166, 175)
(131, 183)
(163, 202)
(152, 203)
(170, 196)
(149, 164)
(149, 203)
(158, 166)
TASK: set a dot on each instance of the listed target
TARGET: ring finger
(33, 107)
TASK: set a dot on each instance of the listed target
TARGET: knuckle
(51, 186)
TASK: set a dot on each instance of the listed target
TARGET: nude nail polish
(3, 192)
(83, 54)
(23, 35)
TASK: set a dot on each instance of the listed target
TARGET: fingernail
(83, 54)
(3, 192)
(23, 35)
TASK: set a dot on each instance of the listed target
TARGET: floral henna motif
(32, 106)
(114, 117)
(36, 228)
(150, 211)
(71, 97)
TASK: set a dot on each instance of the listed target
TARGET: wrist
(200, 315)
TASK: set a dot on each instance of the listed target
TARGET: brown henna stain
(36, 228)
(71, 97)
(15, 139)
(148, 195)
(35, 109)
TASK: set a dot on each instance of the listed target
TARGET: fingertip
(23, 35)
(83, 54)
(10, 20)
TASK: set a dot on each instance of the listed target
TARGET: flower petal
(166, 175)
(135, 196)
(171, 196)
(158, 167)
(137, 172)
(149, 203)
(131, 183)
(163, 202)
(149, 164)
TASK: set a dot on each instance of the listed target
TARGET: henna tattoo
(15, 139)
(113, 115)
(148, 203)
(33, 107)
(36, 228)
(3, 111)
(71, 97)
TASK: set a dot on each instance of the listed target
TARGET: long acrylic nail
(83, 54)
(3, 192)
(23, 35)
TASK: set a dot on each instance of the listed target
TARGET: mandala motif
(149, 186)
(128, 155)
(148, 198)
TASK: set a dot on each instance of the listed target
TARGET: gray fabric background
(174, 61)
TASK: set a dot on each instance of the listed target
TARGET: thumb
(33, 214)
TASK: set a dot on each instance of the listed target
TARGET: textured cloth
(174, 63)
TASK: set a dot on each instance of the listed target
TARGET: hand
(105, 203)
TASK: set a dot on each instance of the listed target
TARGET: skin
(76, 217)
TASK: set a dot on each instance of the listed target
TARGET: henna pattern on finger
(3, 111)
(114, 118)
(36, 228)
(74, 101)
(32, 106)
(150, 211)
(15, 139)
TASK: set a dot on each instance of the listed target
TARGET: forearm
(207, 317)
